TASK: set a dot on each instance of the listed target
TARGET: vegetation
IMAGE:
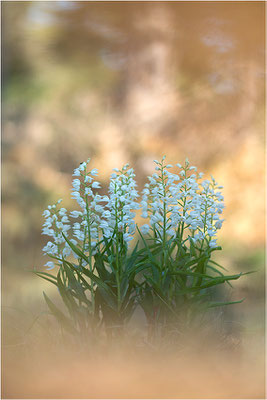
(171, 275)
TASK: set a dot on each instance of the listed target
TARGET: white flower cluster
(119, 215)
(56, 223)
(178, 205)
(98, 216)
(87, 230)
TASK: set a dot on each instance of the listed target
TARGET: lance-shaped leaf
(48, 277)
(226, 303)
(104, 289)
(75, 284)
(63, 320)
(76, 249)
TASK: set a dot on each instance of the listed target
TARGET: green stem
(164, 223)
(90, 254)
(117, 256)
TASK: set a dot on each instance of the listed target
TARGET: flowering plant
(168, 271)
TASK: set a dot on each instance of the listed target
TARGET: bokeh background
(129, 82)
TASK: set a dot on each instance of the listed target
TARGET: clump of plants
(107, 266)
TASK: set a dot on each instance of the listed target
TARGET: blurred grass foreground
(128, 82)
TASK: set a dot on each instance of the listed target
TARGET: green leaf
(215, 248)
(75, 268)
(46, 274)
(219, 280)
(131, 261)
(155, 286)
(150, 255)
(192, 248)
(76, 249)
(195, 261)
(219, 304)
(109, 298)
(134, 252)
(40, 274)
(104, 289)
(140, 268)
(218, 272)
(194, 274)
(65, 321)
(218, 265)
(164, 302)
(128, 311)
(66, 297)
(75, 284)
(124, 285)
(101, 269)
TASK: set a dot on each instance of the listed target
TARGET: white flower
(118, 212)
(145, 229)
(76, 172)
(75, 195)
(94, 172)
(76, 184)
(127, 238)
(106, 214)
(88, 191)
(218, 224)
(144, 214)
(99, 209)
(50, 248)
(82, 166)
(88, 179)
(103, 224)
(177, 205)
(75, 214)
(62, 211)
(96, 185)
(50, 265)
(213, 243)
(182, 200)
(65, 219)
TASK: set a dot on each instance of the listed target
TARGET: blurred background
(129, 82)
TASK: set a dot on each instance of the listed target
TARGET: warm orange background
(128, 82)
